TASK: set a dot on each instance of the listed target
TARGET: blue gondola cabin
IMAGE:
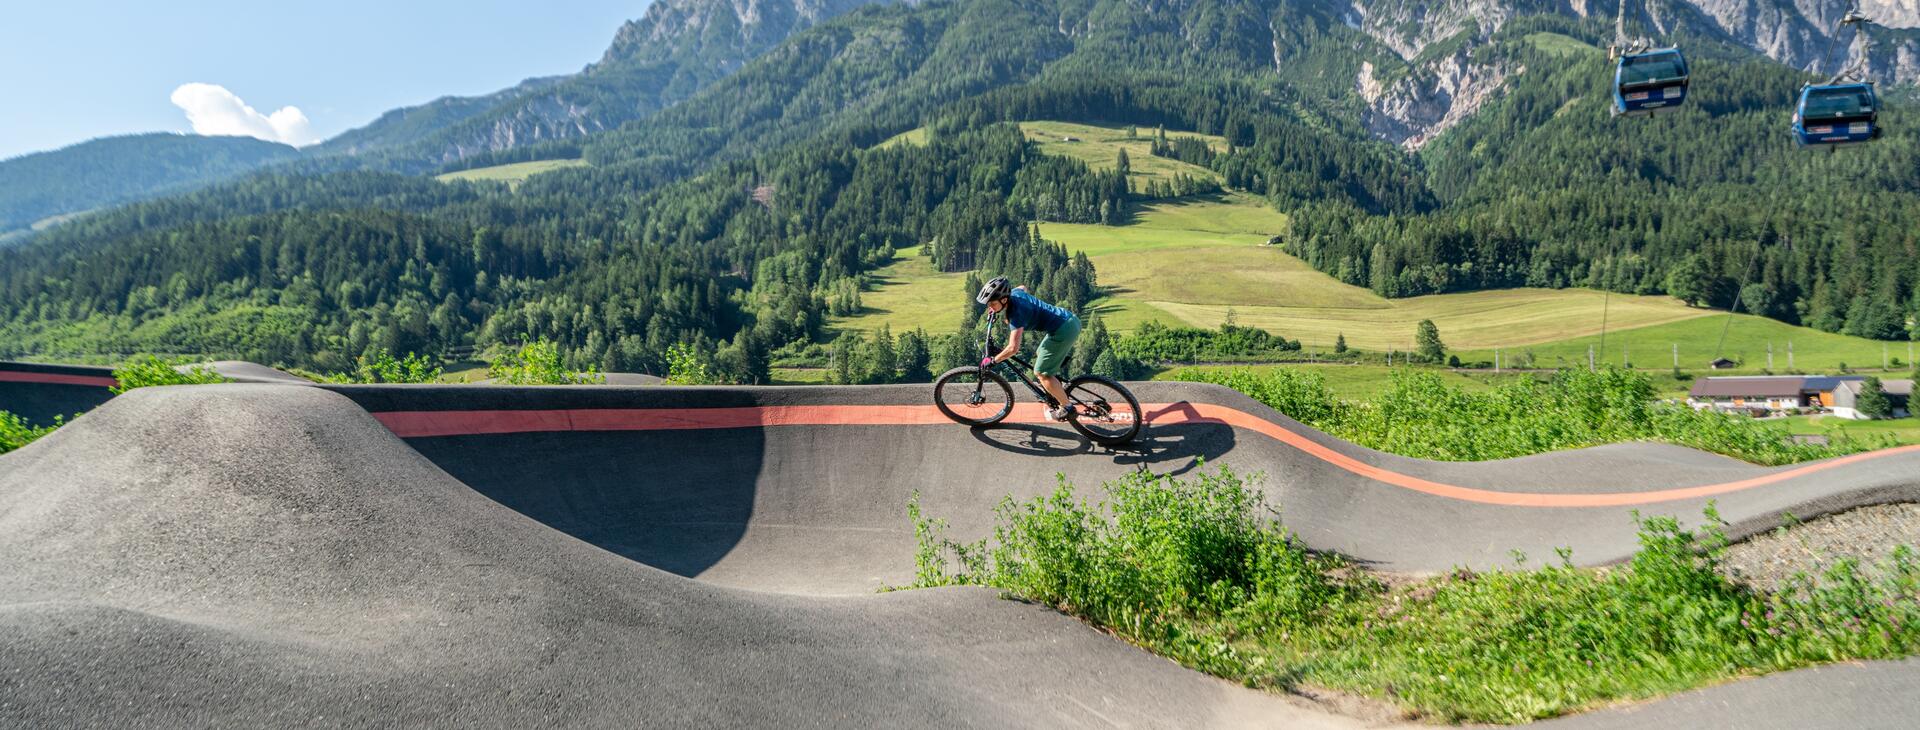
(1831, 115)
(1646, 83)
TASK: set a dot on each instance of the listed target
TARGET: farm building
(1899, 393)
(1767, 392)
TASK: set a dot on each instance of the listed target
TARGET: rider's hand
(986, 362)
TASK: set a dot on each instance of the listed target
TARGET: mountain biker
(1024, 311)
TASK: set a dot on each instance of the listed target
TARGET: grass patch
(15, 432)
(1200, 570)
(511, 174)
(909, 294)
(1422, 415)
(1561, 45)
(1899, 430)
(1099, 146)
(800, 376)
(1468, 321)
(917, 137)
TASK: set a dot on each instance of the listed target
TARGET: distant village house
(1764, 394)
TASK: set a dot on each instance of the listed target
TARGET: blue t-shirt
(1025, 311)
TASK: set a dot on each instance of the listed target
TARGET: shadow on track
(1167, 449)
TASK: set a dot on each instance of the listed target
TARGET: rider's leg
(1054, 388)
(1051, 360)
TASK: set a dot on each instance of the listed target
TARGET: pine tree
(1340, 342)
(913, 357)
(1872, 401)
(882, 366)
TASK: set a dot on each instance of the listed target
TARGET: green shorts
(1055, 348)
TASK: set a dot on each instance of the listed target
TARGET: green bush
(382, 367)
(149, 371)
(685, 366)
(538, 362)
(1420, 415)
(1199, 570)
(15, 432)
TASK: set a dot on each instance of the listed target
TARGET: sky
(73, 70)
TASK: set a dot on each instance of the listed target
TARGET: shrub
(15, 432)
(149, 371)
(1200, 570)
(685, 366)
(382, 367)
(1420, 415)
(538, 362)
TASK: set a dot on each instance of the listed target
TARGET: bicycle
(1102, 409)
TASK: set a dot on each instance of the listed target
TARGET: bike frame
(1017, 365)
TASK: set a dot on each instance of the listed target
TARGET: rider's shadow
(1171, 449)
(1032, 440)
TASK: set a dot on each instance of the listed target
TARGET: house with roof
(1899, 394)
(1768, 393)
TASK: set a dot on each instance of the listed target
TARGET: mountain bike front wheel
(973, 395)
(1103, 410)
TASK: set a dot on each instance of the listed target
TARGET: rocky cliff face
(1443, 85)
(732, 30)
(1414, 109)
(676, 48)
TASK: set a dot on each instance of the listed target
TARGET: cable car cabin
(1831, 115)
(1646, 83)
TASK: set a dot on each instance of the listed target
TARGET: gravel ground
(1868, 534)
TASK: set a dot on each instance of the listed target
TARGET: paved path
(278, 554)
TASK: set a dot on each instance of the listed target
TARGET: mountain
(1416, 147)
(675, 49)
(114, 170)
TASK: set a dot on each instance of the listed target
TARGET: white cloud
(215, 111)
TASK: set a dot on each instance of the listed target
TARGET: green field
(1698, 341)
(512, 174)
(1192, 261)
(1903, 430)
(1099, 147)
(1350, 382)
(1561, 45)
(909, 137)
(909, 293)
(1189, 262)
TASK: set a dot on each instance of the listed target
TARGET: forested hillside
(739, 219)
(1542, 188)
(114, 170)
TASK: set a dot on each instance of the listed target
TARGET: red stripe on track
(423, 424)
(12, 376)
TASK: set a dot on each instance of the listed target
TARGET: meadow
(511, 174)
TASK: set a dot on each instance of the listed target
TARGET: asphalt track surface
(280, 554)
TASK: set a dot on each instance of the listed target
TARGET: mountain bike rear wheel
(1103, 410)
(973, 395)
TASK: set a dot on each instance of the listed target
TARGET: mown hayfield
(1467, 321)
(1698, 340)
(512, 174)
(1194, 261)
(909, 293)
(1099, 146)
